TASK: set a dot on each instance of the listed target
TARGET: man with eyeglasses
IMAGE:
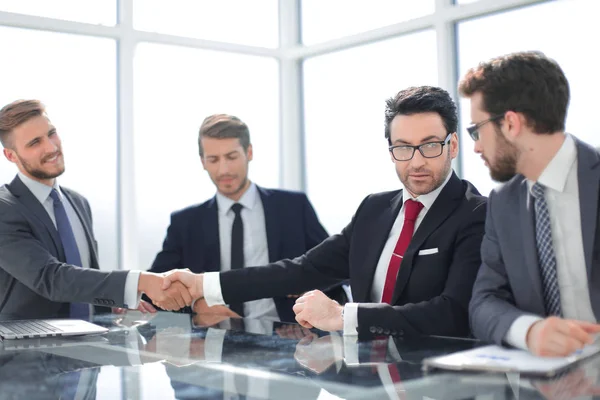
(538, 287)
(411, 255)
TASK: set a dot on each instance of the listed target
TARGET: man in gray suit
(539, 285)
(48, 254)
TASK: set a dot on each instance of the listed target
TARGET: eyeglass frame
(418, 147)
(473, 130)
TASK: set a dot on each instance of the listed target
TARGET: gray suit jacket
(35, 282)
(509, 284)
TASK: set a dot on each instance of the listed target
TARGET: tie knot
(55, 196)
(538, 190)
(237, 208)
(412, 209)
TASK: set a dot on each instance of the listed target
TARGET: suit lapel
(209, 221)
(379, 236)
(588, 175)
(86, 227)
(527, 231)
(445, 204)
(18, 189)
(272, 223)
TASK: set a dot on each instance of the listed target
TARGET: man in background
(243, 225)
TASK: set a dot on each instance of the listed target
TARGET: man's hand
(175, 298)
(557, 337)
(193, 282)
(209, 316)
(315, 309)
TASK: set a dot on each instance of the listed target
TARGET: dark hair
(422, 99)
(223, 126)
(15, 114)
(526, 82)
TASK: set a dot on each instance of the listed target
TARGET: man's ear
(453, 144)
(513, 125)
(249, 152)
(10, 155)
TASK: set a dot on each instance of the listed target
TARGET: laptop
(53, 342)
(41, 328)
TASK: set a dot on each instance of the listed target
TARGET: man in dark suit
(273, 224)
(48, 254)
(538, 287)
(403, 284)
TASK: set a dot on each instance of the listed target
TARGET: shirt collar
(39, 190)
(248, 200)
(426, 199)
(556, 172)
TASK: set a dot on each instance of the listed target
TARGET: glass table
(171, 355)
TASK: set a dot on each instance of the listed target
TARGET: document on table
(500, 359)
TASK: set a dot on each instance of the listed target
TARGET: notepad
(500, 359)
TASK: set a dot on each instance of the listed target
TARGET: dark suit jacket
(35, 282)
(192, 239)
(432, 291)
(509, 283)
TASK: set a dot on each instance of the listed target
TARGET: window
(236, 21)
(332, 19)
(75, 76)
(101, 12)
(479, 39)
(175, 89)
(346, 152)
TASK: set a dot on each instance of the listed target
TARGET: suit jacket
(509, 283)
(432, 291)
(35, 282)
(192, 239)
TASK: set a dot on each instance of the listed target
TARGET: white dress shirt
(351, 309)
(562, 195)
(256, 250)
(42, 193)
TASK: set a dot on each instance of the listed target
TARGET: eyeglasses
(474, 129)
(405, 152)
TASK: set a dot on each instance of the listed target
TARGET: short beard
(438, 181)
(37, 173)
(505, 167)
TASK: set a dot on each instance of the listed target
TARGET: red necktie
(411, 212)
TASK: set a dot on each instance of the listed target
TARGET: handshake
(172, 290)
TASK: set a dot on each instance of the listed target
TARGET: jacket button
(379, 330)
(372, 329)
(394, 333)
(400, 332)
(386, 331)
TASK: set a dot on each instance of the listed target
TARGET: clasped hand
(173, 290)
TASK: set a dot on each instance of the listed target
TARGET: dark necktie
(65, 231)
(411, 212)
(237, 249)
(545, 251)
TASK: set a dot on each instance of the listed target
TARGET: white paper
(503, 359)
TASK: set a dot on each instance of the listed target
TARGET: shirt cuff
(213, 345)
(212, 289)
(131, 298)
(517, 334)
(351, 319)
